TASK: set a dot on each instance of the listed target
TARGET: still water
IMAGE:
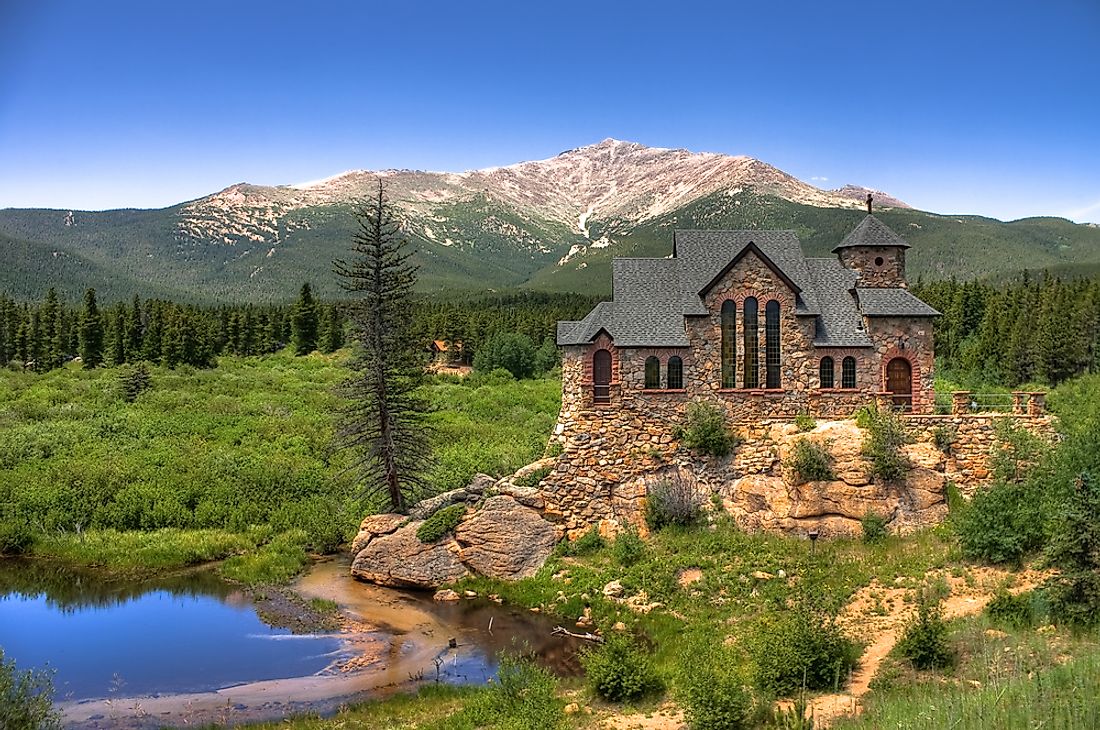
(188, 633)
(189, 649)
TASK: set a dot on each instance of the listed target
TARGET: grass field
(211, 463)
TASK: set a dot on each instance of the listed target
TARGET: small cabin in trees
(746, 319)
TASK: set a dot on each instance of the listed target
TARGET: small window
(848, 373)
(825, 372)
(878, 261)
(675, 373)
(652, 373)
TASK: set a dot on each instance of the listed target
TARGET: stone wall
(891, 272)
(973, 437)
(611, 457)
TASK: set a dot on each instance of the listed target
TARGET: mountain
(550, 224)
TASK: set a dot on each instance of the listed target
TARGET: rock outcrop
(505, 534)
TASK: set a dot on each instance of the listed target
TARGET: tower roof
(871, 232)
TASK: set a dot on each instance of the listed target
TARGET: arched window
(675, 373)
(652, 372)
(601, 376)
(729, 344)
(752, 373)
(771, 344)
(848, 372)
(825, 372)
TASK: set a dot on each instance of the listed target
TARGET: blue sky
(963, 106)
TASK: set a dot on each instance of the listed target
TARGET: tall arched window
(729, 344)
(825, 372)
(848, 372)
(652, 372)
(752, 372)
(771, 344)
(601, 376)
(675, 373)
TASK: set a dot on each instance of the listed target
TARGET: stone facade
(878, 266)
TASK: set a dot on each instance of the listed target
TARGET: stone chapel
(745, 319)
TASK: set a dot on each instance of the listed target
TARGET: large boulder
(374, 525)
(505, 539)
(401, 560)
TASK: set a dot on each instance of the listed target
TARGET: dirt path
(877, 615)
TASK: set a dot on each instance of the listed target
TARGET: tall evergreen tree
(305, 322)
(383, 422)
(49, 339)
(332, 329)
(91, 332)
(116, 338)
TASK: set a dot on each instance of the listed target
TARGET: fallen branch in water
(560, 631)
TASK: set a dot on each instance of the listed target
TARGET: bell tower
(875, 252)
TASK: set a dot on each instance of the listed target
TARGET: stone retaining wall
(611, 457)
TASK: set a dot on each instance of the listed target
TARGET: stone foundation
(610, 459)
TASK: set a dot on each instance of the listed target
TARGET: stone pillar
(960, 402)
(1018, 406)
(1037, 404)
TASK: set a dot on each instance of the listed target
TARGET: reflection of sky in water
(155, 642)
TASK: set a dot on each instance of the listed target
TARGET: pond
(190, 648)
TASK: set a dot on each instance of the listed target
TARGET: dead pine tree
(383, 420)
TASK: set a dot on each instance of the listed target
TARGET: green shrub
(711, 690)
(924, 642)
(882, 445)
(628, 548)
(943, 437)
(705, 430)
(619, 669)
(532, 478)
(523, 697)
(26, 699)
(16, 538)
(511, 351)
(1014, 610)
(805, 422)
(799, 645)
(440, 523)
(1001, 524)
(671, 502)
(874, 527)
(586, 544)
(810, 461)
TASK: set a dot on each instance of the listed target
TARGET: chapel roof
(871, 232)
(651, 297)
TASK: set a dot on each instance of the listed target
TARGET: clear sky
(963, 106)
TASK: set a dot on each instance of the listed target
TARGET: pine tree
(48, 342)
(116, 337)
(305, 322)
(91, 332)
(332, 330)
(383, 422)
(134, 330)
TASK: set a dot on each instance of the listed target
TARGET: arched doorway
(899, 382)
(601, 376)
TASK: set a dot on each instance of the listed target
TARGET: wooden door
(899, 381)
(601, 376)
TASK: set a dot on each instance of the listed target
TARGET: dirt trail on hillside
(877, 615)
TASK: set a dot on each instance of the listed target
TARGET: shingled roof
(871, 232)
(651, 297)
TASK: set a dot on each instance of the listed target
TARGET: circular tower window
(878, 261)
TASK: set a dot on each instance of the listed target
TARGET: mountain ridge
(552, 223)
